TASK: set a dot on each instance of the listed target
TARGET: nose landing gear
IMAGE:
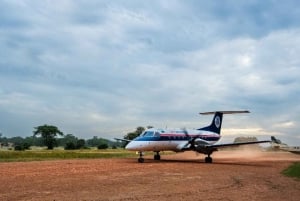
(141, 159)
(141, 154)
(157, 156)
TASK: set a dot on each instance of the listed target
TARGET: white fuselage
(170, 139)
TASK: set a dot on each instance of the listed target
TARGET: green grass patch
(40, 155)
(293, 170)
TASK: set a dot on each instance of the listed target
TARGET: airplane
(201, 140)
(277, 144)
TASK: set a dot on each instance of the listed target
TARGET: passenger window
(156, 134)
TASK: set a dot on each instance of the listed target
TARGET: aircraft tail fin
(216, 123)
(275, 140)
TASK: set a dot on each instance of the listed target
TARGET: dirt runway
(234, 175)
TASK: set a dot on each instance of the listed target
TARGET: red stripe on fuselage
(188, 135)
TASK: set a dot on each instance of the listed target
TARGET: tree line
(50, 136)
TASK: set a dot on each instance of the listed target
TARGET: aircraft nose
(133, 146)
(129, 146)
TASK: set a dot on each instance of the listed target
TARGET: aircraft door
(157, 134)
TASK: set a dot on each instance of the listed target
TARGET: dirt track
(234, 175)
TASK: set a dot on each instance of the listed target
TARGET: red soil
(234, 175)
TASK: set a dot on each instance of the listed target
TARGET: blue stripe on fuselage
(176, 138)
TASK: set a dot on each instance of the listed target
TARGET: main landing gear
(208, 159)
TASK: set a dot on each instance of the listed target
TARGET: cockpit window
(148, 134)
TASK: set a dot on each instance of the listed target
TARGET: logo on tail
(217, 122)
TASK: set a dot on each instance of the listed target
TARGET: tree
(139, 130)
(130, 136)
(95, 141)
(80, 144)
(48, 133)
(66, 139)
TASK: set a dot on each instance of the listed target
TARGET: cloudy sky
(103, 68)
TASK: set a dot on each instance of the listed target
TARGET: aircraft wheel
(140, 160)
(157, 157)
(208, 159)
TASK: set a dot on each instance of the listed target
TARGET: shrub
(70, 146)
(102, 146)
(293, 170)
(19, 148)
(26, 145)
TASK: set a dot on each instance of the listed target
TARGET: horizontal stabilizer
(225, 112)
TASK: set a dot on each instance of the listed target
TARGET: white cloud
(287, 124)
(97, 68)
(248, 132)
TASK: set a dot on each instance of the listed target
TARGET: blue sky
(102, 68)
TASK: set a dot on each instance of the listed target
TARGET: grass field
(293, 170)
(39, 155)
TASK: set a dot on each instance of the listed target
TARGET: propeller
(191, 140)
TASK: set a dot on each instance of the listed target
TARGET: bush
(70, 146)
(22, 147)
(19, 148)
(102, 146)
(80, 144)
(293, 170)
(26, 145)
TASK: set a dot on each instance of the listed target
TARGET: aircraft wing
(209, 149)
(125, 140)
(236, 144)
